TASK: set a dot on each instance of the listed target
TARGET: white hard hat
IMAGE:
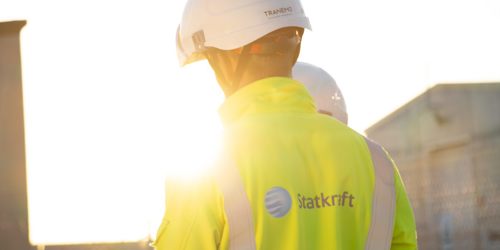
(231, 24)
(323, 89)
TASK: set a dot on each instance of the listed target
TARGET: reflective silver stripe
(237, 207)
(384, 200)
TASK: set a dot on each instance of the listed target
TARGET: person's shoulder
(192, 182)
(333, 124)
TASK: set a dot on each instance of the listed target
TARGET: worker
(323, 89)
(289, 177)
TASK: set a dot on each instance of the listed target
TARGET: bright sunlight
(109, 113)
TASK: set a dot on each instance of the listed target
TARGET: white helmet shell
(230, 24)
(323, 89)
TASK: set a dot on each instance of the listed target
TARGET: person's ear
(299, 43)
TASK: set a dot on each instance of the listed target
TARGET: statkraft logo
(278, 202)
(322, 201)
(279, 12)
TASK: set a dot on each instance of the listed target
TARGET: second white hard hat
(323, 88)
(230, 24)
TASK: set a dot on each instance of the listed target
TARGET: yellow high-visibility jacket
(282, 147)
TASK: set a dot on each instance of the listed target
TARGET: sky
(109, 113)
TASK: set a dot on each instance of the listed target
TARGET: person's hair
(271, 55)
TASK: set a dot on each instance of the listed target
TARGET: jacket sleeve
(405, 232)
(194, 217)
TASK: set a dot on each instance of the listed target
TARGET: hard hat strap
(297, 50)
(228, 75)
(220, 61)
(240, 67)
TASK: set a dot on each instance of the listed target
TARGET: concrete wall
(446, 143)
(13, 197)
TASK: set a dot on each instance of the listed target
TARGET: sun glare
(109, 116)
(98, 175)
(197, 136)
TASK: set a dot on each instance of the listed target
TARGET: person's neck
(251, 78)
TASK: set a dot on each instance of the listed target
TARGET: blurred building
(446, 143)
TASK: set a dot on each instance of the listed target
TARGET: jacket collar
(269, 95)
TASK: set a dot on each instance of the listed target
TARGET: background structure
(14, 233)
(13, 196)
(446, 143)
